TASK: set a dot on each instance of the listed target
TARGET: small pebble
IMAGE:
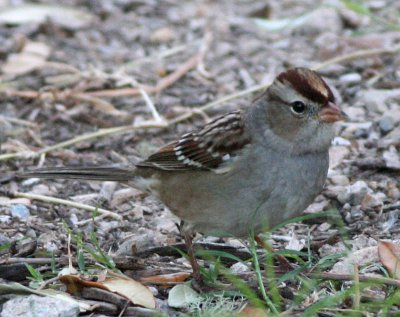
(340, 180)
(74, 219)
(356, 213)
(355, 113)
(5, 219)
(238, 268)
(153, 290)
(392, 218)
(373, 201)
(163, 35)
(20, 211)
(350, 78)
(386, 124)
(324, 227)
(354, 193)
(34, 305)
(340, 141)
(30, 181)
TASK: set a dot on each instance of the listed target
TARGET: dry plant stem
(165, 53)
(356, 55)
(18, 121)
(62, 67)
(350, 277)
(47, 282)
(70, 266)
(357, 295)
(99, 103)
(84, 222)
(147, 99)
(68, 203)
(37, 261)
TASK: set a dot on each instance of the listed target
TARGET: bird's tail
(87, 173)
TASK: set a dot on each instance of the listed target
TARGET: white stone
(33, 306)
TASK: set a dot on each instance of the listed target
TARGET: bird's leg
(192, 258)
(190, 252)
(284, 263)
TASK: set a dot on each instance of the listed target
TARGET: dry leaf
(68, 17)
(136, 292)
(166, 278)
(32, 56)
(389, 254)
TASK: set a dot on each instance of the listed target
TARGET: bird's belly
(244, 202)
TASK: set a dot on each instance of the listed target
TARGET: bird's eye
(298, 107)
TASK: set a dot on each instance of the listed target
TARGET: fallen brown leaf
(136, 292)
(32, 56)
(165, 280)
(389, 254)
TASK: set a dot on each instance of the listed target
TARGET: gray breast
(250, 196)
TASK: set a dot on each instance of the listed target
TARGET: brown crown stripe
(309, 84)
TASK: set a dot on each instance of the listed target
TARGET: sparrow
(245, 171)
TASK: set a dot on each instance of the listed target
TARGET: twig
(122, 312)
(357, 54)
(350, 277)
(159, 56)
(61, 66)
(23, 154)
(47, 282)
(19, 121)
(203, 50)
(99, 104)
(85, 221)
(156, 115)
(85, 137)
(68, 203)
(70, 266)
(37, 261)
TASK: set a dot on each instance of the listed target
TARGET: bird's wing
(213, 146)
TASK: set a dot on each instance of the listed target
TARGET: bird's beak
(331, 113)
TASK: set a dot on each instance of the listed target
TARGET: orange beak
(331, 113)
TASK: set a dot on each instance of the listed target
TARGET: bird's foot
(201, 286)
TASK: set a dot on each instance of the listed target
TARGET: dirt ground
(84, 66)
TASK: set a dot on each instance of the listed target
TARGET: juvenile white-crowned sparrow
(244, 171)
